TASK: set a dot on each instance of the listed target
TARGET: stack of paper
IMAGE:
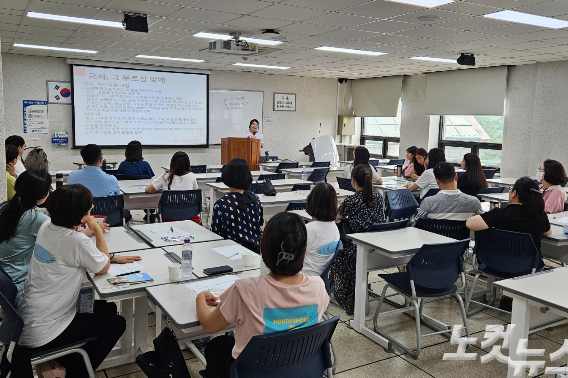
(232, 252)
(121, 269)
(215, 285)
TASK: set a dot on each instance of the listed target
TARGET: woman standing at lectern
(253, 132)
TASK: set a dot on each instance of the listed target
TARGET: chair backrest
(565, 206)
(325, 273)
(255, 188)
(321, 164)
(112, 207)
(199, 168)
(273, 158)
(299, 353)
(219, 179)
(120, 177)
(431, 192)
(300, 187)
(373, 162)
(489, 172)
(437, 266)
(401, 203)
(564, 183)
(450, 228)
(296, 206)
(509, 252)
(272, 176)
(387, 226)
(112, 172)
(286, 166)
(319, 175)
(345, 184)
(395, 162)
(460, 173)
(495, 189)
(8, 287)
(11, 326)
(180, 204)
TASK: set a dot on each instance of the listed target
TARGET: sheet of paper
(172, 234)
(232, 252)
(215, 285)
(562, 220)
(116, 269)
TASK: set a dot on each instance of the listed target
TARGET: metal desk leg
(520, 317)
(141, 325)
(127, 312)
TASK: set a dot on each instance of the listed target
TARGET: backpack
(37, 159)
(166, 360)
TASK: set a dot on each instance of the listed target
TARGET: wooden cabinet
(246, 148)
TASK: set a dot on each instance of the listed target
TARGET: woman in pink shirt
(282, 300)
(552, 176)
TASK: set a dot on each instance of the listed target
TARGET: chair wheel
(389, 349)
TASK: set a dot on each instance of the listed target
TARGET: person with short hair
(552, 176)
(18, 142)
(323, 234)
(92, 176)
(427, 180)
(253, 132)
(449, 203)
(135, 163)
(238, 214)
(255, 305)
(11, 158)
(473, 179)
(362, 156)
(61, 259)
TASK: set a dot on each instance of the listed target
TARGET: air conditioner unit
(233, 47)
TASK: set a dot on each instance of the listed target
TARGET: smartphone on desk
(217, 270)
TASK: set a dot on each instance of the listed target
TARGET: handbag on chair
(267, 188)
(166, 360)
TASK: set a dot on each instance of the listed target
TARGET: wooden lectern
(246, 148)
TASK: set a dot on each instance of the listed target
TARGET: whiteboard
(230, 113)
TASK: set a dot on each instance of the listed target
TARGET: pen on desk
(233, 255)
(172, 229)
(126, 274)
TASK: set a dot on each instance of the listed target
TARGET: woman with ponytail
(359, 211)
(256, 304)
(20, 222)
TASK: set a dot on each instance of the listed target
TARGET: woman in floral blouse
(238, 214)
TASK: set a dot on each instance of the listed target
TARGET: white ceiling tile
(505, 4)
(48, 24)
(328, 5)
(175, 24)
(543, 35)
(204, 15)
(512, 30)
(381, 9)
(42, 37)
(469, 8)
(306, 29)
(8, 27)
(442, 16)
(258, 22)
(426, 32)
(63, 9)
(81, 34)
(233, 6)
(288, 13)
(388, 39)
(13, 4)
(139, 6)
(6, 18)
(548, 9)
(340, 20)
(46, 31)
(473, 23)
(385, 26)
(348, 35)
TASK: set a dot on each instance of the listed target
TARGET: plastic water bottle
(304, 174)
(186, 258)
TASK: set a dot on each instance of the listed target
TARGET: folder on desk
(131, 279)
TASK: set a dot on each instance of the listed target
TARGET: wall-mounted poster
(285, 101)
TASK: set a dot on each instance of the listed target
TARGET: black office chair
(395, 162)
(199, 168)
(300, 187)
(296, 206)
(255, 188)
(387, 226)
(431, 192)
(345, 184)
(498, 189)
(112, 172)
(273, 158)
(272, 176)
(489, 172)
(288, 165)
(319, 175)
(219, 179)
(180, 205)
(320, 164)
(112, 207)
(374, 163)
(121, 177)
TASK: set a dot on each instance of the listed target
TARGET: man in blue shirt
(92, 176)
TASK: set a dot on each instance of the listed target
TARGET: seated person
(323, 234)
(179, 177)
(411, 157)
(525, 213)
(92, 176)
(238, 214)
(20, 144)
(449, 203)
(552, 176)
(254, 304)
(362, 156)
(473, 179)
(57, 269)
(419, 163)
(427, 180)
(11, 158)
(135, 163)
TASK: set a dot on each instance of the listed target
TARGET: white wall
(25, 79)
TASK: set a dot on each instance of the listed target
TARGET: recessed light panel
(53, 48)
(77, 20)
(529, 19)
(169, 58)
(260, 66)
(349, 51)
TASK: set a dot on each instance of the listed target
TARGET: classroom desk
(120, 239)
(379, 161)
(135, 198)
(500, 198)
(272, 165)
(303, 214)
(209, 168)
(502, 181)
(380, 250)
(204, 257)
(393, 184)
(81, 164)
(540, 293)
(297, 172)
(199, 233)
(133, 297)
(556, 217)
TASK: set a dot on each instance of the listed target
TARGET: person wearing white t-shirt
(18, 142)
(61, 259)
(323, 234)
(427, 180)
(253, 132)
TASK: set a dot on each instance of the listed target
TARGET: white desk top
(65, 172)
(296, 196)
(554, 218)
(276, 183)
(303, 214)
(178, 301)
(199, 233)
(401, 241)
(503, 181)
(501, 197)
(119, 239)
(155, 264)
(310, 169)
(204, 257)
(212, 176)
(558, 236)
(134, 186)
(381, 161)
(548, 288)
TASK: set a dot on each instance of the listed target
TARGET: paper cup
(248, 258)
(174, 270)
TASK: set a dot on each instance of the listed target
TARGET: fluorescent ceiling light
(260, 66)
(168, 58)
(424, 3)
(529, 19)
(435, 59)
(54, 48)
(77, 20)
(349, 51)
(226, 36)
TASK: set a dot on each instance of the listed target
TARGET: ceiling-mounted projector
(235, 45)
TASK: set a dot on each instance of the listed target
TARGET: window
(481, 135)
(381, 135)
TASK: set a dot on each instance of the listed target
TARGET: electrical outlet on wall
(35, 139)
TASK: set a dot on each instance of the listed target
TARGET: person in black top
(525, 213)
(473, 179)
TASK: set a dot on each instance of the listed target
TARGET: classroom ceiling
(400, 30)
